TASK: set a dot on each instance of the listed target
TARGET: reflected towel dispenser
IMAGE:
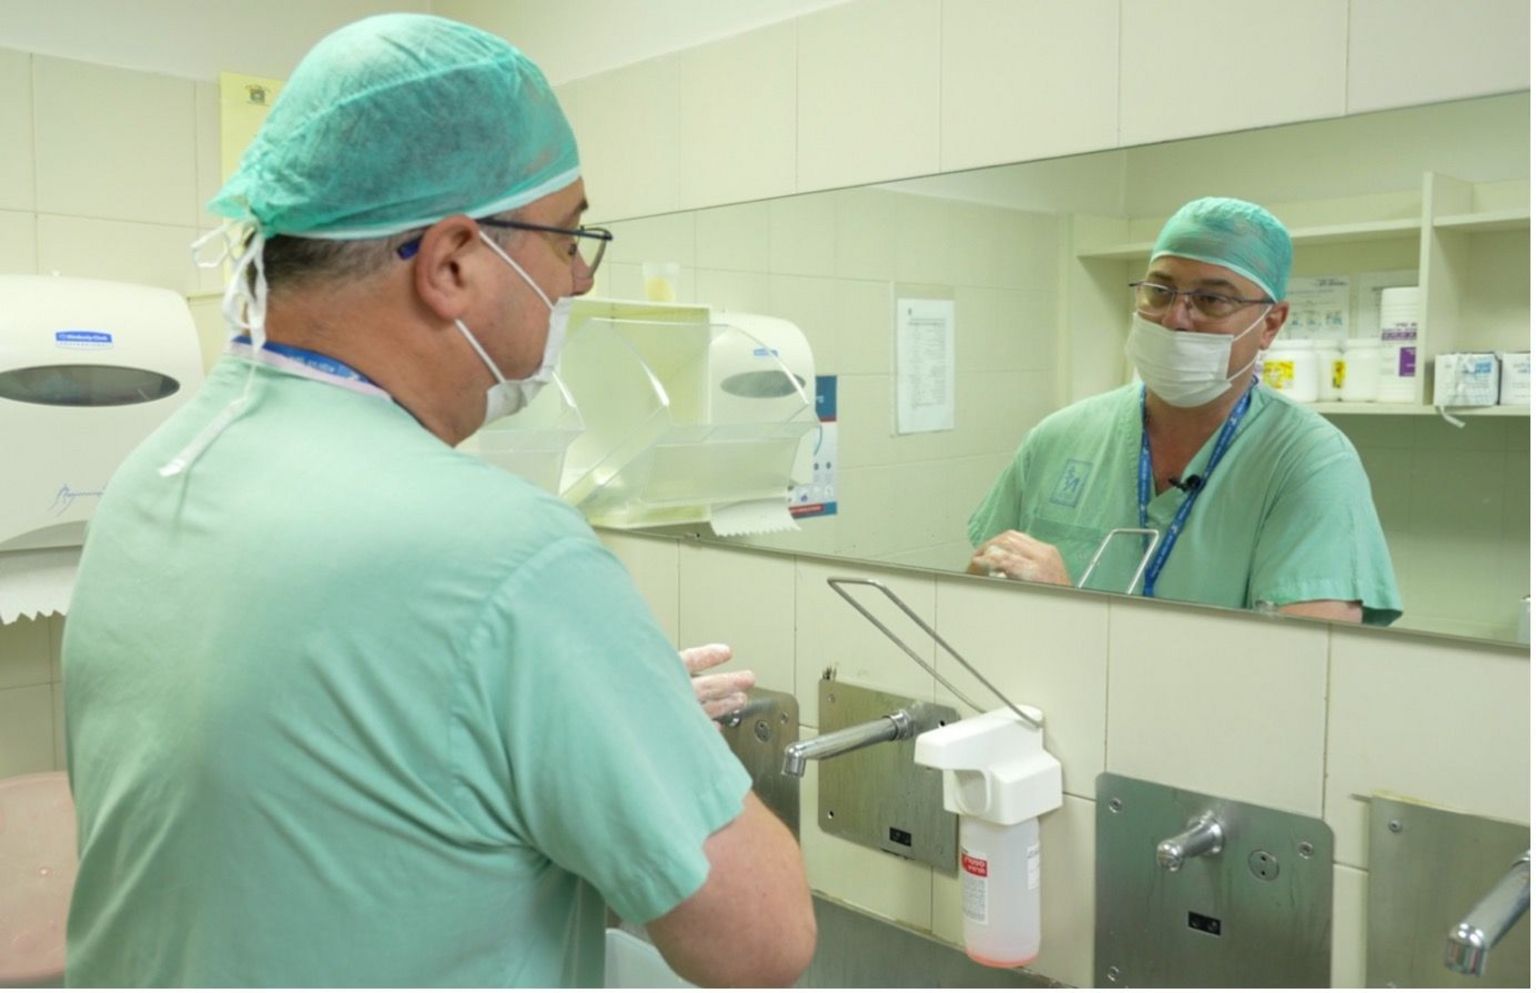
(682, 414)
(88, 368)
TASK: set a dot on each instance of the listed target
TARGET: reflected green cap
(1239, 235)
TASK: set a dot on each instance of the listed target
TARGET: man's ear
(1273, 322)
(440, 273)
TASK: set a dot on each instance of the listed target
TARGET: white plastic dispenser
(88, 368)
(686, 415)
(999, 778)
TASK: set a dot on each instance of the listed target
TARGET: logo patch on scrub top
(1074, 480)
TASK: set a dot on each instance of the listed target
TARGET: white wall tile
(923, 232)
(25, 653)
(1067, 856)
(152, 254)
(866, 234)
(745, 599)
(18, 241)
(1218, 702)
(210, 169)
(1043, 647)
(802, 234)
(26, 730)
(866, 319)
(1024, 81)
(868, 97)
(1168, 91)
(626, 125)
(733, 237)
(653, 564)
(667, 238)
(829, 632)
(1349, 927)
(114, 143)
(731, 290)
(889, 886)
(60, 748)
(737, 118)
(1404, 52)
(1444, 722)
(18, 190)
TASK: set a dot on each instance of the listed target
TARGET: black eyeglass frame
(603, 236)
(1174, 295)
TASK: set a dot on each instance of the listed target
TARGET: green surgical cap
(1239, 235)
(395, 122)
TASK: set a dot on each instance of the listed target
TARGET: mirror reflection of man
(1258, 502)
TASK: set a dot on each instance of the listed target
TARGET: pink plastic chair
(37, 872)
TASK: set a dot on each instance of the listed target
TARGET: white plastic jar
(1330, 369)
(1362, 370)
(1398, 380)
(1290, 367)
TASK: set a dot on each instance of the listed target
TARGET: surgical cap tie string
(244, 307)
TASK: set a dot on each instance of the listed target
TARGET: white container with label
(1400, 315)
(1515, 378)
(1362, 370)
(1330, 369)
(1290, 367)
(1000, 891)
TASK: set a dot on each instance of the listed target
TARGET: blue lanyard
(314, 360)
(1144, 485)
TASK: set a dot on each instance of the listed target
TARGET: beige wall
(1279, 712)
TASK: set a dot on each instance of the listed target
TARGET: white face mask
(1184, 368)
(506, 397)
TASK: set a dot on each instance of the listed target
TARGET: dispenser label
(818, 497)
(70, 338)
(973, 886)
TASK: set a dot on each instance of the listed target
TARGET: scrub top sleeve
(1003, 507)
(617, 774)
(1322, 540)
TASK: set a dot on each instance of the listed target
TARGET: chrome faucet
(892, 727)
(1203, 836)
(1470, 941)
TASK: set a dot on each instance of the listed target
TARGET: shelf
(1512, 219)
(1387, 409)
(1317, 235)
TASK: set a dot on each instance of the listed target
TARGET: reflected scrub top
(347, 707)
(1287, 516)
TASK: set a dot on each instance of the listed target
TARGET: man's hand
(1016, 555)
(723, 692)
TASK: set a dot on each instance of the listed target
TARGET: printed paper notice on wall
(925, 365)
(1319, 308)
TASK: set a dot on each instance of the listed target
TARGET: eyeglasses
(1155, 300)
(588, 243)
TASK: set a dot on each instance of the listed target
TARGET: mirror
(1035, 258)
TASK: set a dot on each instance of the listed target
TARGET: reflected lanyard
(1144, 484)
(310, 365)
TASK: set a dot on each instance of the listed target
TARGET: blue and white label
(82, 339)
(763, 352)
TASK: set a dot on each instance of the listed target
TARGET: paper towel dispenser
(687, 414)
(88, 368)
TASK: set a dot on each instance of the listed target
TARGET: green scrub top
(346, 707)
(1286, 517)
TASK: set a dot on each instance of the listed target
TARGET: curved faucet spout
(891, 727)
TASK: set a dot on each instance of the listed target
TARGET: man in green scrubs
(345, 706)
(1258, 502)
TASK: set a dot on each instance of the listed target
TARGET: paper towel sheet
(730, 520)
(37, 583)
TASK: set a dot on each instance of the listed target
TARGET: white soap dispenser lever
(999, 778)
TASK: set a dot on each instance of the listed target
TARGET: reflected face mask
(1184, 368)
(506, 397)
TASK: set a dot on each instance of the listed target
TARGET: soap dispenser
(999, 778)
